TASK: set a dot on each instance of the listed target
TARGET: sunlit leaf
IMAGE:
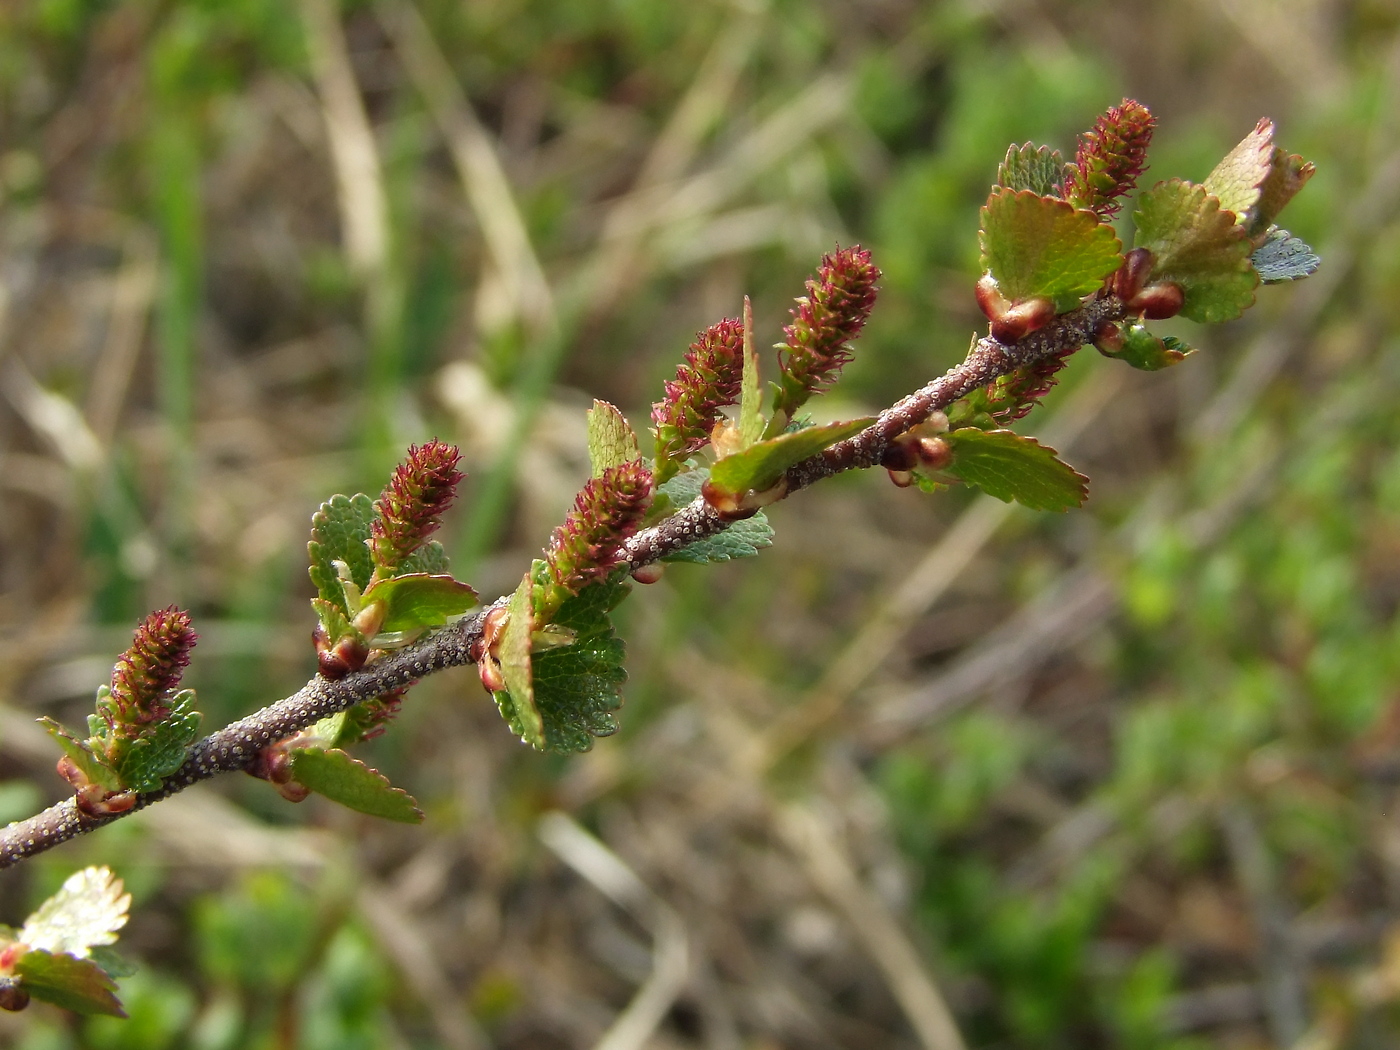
(1198, 246)
(517, 700)
(347, 780)
(88, 910)
(1038, 246)
(415, 601)
(162, 746)
(1236, 180)
(577, 686)
(1010, 467)
(760, 465)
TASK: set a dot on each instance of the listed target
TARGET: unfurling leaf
(87, 911)
(80, 985)
(340, 531)
(741, 539)
(1284, 257)
(1039, 169)
(1147, 352)
(1198, 246)
(353, 784)
(750, 393)
(415, 601)
(611, 440)
(1010, 467)
(1257, 179)
(517, 701)
(1041, 247)
(761, 465)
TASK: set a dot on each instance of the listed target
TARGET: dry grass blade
(808, 836)
(479, 167)
(616, 881)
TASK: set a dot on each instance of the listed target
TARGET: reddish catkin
(585, 547)
(707, 380)
(147, 673)
(412, 504)
(817, 343)
(1110, 158)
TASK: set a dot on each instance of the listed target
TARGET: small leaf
(333, 619)
(1197, 245)
(113, 963)
(1043, 247)
(74, 984)
(162, 746)
(353, 784)
(415, 601)
(1010, 467)
(741, 539)
(429, 558)
(1039, 169)
(1147, 352)
(80, 752)
(87, 910)
(517, 701)
(750, 392)
(761, 465)
(1237, 179)
(577, 686)
(339, 532)
(1284, 257)
(611, 440)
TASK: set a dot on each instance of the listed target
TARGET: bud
(934, 453)
(13, 997)
(1108, 338)
(649, 573)
(1158, 301)
(411, 505)
(902, 478)
(900, 454)
(990, 299)
(816, 344)
(1129, 278)
(1022, 319)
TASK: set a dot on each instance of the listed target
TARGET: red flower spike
(147, 674)
(707, 381)
(412, 504)
(584, 549)
(1110, 158)
(832, 313)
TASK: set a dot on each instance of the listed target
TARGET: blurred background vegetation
(1122, 778)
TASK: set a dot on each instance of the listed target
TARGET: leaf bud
(13, 997)
(935, 453)
(649, 573)
(1159, 301)
(1108, 338)
(1129, 278)
(900, 454)
(990, 299)
(490, 672)
(902, 478)
(1022, 319)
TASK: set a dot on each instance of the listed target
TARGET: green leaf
(339, 531)
(429, 558)
(1283, 257)
(1197, 245)
(80, 751)
(759, 466)
(1043, 247)
(1039, 169)
(162, 746)
(577, 686)
(113, 962)
(1237, 179)
(353, 784)
(611, 440)
(79, 985)
(1012, 467)
(517, 701)
(1145, 351)
(750, 392)
(742, 539)
(88, 910)
(418, 600)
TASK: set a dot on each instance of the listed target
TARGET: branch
(237, 746)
